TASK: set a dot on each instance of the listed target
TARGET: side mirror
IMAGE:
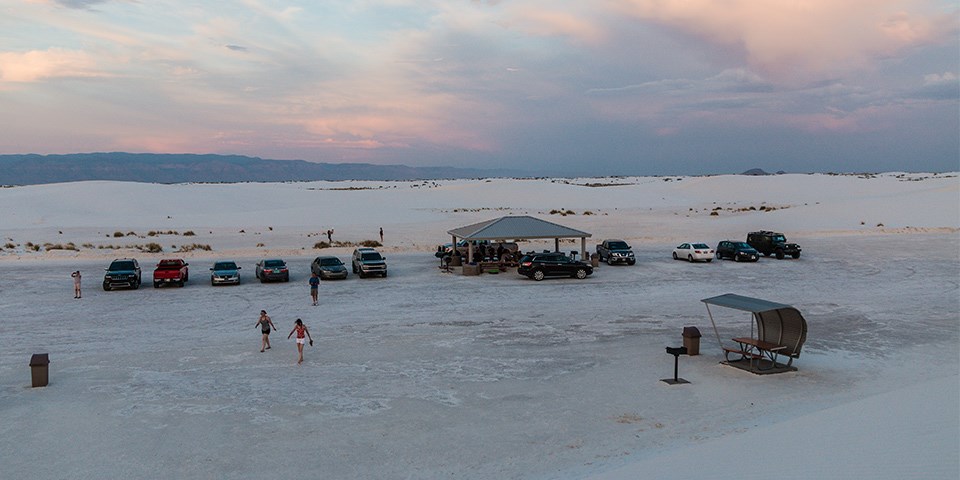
(239, 267)
(185, 264)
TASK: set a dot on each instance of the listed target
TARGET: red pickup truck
(171, 271)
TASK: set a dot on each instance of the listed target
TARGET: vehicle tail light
(526, 264)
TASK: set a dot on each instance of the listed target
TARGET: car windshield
(225, 266)
(779, 239)
(700, 245)
(741, 245)
(273, 263)
(330, 262)
(619, 245)
(370, 256)
(122, 266)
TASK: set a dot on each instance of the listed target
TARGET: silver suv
(368, 261)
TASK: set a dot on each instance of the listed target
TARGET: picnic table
(754, 349)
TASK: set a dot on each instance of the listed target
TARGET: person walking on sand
(265, 325)
(76, 284)
(303, 333)
(314, 288)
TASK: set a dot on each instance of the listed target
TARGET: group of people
(303, 334)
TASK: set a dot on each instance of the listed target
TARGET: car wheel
(779, 254)
(106, 288)
(156, 284)
(581, 273)
(537, 275)
(631, 262)
(675, 257)
(361, 274)
(212, 284)
(690, 258)
(263, 280)
(766, 254)
(796, 255)
(709, 260)
(286, 278)
(384, 274)
(609, 261)
(180, 284)
(136, 286)
(719, 256)
(736, 258)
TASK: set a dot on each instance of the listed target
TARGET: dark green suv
(773, 243)
(122, 272)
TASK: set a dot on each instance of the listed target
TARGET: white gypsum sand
(430, 375)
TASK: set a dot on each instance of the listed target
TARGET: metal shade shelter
(518, 227)
(776, 323)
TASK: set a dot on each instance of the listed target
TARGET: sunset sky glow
(550, 87)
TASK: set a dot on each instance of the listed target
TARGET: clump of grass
(321, 245)
(152, 247)
(58, 246)
(194, 246)
(371, 243)
(9, 246)
(118, 234)
(188, 233)
(260, 245)
(132, 234)
(588, 212)
(154, 233)
(87, 245)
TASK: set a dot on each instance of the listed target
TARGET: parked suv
(773, 243)
(615, 251)
(368, 261)
(541, 265)
(738, 251)
(122, 272)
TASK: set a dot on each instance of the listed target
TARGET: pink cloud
(789, 37)
(548, 21)
(36, 65)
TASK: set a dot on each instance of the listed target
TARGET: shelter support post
(556, 244)
(715, 331)
(583, 249)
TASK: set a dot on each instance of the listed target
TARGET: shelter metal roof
(748, 304)
(514, 228)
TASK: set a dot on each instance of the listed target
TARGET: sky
(551, 87)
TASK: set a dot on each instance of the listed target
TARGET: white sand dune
(426, 374)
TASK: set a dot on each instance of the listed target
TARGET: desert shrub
(188, 233)
(320, 245)
(371, 243)
(151, 233)
(9, 246)
(117, 234)
(259, 245)
(555, 212)
(588, 212)
(714, 213)
(195, 246)
(87, 245)
(569, 212)
(152, 247)
(131, 234)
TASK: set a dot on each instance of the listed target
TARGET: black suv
(738, 251)
(773, 243)
(122, 272)
(541, 265)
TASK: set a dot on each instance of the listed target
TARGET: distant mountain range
(181, 168)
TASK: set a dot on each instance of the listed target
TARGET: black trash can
(691, 340)
(39, 366)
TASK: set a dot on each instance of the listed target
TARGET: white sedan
(693, 252)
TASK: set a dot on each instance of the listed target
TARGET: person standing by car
(76, 284)
(303, 333)
(265, 325)
(381, 235)
(314, 287)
